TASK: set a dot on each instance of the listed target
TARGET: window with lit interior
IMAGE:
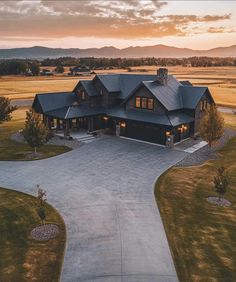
(138, 102)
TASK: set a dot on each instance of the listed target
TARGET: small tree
(211, 126)
(221, 182)
(42, 195)
(42, 214)
(59, 69)
(6, 109)
(35, 132)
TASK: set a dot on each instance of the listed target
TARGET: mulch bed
(34, 155)
(205, 153)
(45, 232)
(222, 202)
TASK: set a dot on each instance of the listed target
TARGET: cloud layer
(103, 19)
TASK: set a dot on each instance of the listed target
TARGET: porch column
(67, 128)
(58, 125)
(48, 123)
(90, 124)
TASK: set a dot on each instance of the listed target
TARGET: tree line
(22, 66)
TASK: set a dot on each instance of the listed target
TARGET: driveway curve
(104, 191)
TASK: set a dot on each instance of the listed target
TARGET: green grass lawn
(201, 235)
(22, 258)
(12, 150)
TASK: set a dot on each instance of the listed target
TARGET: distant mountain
(161, 51)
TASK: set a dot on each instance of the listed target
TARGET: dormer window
(144, 103)
(150, 104)
(203, 105)
(83, 97)
(138, 102)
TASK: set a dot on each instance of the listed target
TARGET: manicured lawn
(22, 258)
(12, 150)
(201, 235)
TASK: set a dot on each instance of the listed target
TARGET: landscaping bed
(22, 257)
(14, 150)
(201, 234)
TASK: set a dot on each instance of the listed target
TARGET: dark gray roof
(139, 116)
(75, 112)
(52, 101)
(123, 83)
(89, 87)
(166, 94)
(191, 95)
(177, 118)
(186, 83)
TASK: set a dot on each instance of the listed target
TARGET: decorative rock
(45, 232)
(215, 200)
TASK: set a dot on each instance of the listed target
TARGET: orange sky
(123, 23)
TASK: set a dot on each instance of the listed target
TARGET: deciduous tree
(6, 109)
(35, 132)
(221, 182)
(211, 126)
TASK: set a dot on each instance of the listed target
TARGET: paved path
(104, 191)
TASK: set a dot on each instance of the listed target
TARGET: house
(80, 70)
(155, 108)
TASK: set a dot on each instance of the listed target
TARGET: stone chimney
(162, 76)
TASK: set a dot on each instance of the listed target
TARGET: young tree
(221, 182)
(42, 195)
(35, 132)
(211, 126)
(59, 69)
(42, 214)
(35, 69)
(6, 109)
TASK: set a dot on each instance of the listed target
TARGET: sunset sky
(123, 23)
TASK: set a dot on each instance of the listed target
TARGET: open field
(22, 258)
(12, 150)
(220, 80)
(201, 235)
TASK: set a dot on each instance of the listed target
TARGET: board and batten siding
(143, 92)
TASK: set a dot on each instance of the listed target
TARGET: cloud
(220, 29)
(104, 19)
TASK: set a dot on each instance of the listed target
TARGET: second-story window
(144, 103)
(138, 102)
(150, 104)
(83, 97)
(203, 105)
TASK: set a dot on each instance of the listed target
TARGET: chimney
(162, 76)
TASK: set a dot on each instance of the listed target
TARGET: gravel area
(222, 202)
(45, 232)
(205, 153)
(55, 140)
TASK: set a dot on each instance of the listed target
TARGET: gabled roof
(177, 118)
(52, 101)
(122, 83)
(191, 95)
(167, 95)
(89, 87)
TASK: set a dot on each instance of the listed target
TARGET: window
(144, 103)
(150, 104)
(101, 92)
(203, 105)
(138, 102)
(83, 97)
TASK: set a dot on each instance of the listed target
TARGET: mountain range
(159, 51)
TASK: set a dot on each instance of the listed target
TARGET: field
(220, 80)
(22, 258)
(201, 235)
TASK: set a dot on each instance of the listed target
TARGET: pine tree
(211, 127)
(35, 132)
(6, 109)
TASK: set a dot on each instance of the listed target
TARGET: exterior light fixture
(105, 118)
(167, 133)
(122, 124)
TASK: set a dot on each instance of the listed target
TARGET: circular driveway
(104, 191)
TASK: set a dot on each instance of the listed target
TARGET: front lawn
(22, 258)
(13, 150)
(201, 235)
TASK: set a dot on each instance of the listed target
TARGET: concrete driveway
(104, 191)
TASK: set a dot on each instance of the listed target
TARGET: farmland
(220, 80)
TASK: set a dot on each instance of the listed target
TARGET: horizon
(106, 46)
(197, 25)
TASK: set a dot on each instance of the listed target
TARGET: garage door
(145, 132)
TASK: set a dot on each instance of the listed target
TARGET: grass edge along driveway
(23, 258)
(201, 235)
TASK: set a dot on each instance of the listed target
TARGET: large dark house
(154, 108)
